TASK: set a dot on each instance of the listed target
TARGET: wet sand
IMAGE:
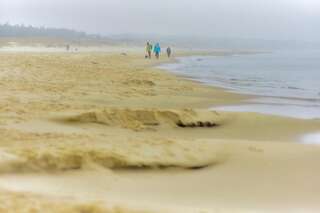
(105, 132)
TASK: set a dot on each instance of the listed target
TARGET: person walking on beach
(157, 50)
(169, 52)
(149, 50)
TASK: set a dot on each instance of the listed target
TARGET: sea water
(288, 81)
(284, 83)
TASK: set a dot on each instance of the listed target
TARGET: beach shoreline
(108, 132)
(209, 71)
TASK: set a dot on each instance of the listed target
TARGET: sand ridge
(24, 203)
(141, 118)
(145, 154)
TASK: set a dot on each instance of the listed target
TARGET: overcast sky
(267, 19)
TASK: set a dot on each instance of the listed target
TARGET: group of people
(156, 50)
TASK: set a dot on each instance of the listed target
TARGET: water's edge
(300, 108)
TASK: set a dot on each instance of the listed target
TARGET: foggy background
(242, 19)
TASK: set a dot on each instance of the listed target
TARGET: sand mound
(22, 203)
(144, 154)
(142, 118)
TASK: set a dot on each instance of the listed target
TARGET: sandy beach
(107, 132)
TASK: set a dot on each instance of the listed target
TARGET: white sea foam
(311, 139)
(280, 110)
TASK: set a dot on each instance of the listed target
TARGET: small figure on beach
(169, 51)
(68, 47)
(148, 50)
(157, 50)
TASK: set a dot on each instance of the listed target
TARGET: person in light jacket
(157, 50)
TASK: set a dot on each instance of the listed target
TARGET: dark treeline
(7, 30)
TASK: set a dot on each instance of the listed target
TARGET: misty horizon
(246, 19)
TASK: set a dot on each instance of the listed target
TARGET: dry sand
(104, 132)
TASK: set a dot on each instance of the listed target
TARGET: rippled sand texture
(13, 202)
(102, 132)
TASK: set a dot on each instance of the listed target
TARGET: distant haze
(263, 19)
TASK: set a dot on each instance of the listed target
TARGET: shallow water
(276, 106)
(290, 80)
(311, 139)
(281, 74)
(281, 110)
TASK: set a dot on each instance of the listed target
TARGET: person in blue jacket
(157, 50)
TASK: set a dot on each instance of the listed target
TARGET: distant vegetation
(22, 31)
(61, 36)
